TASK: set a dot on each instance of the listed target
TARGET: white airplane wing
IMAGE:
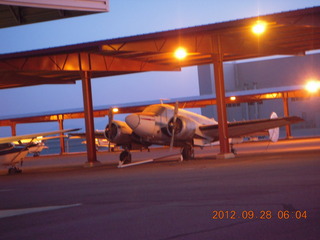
(34, 135)
(97, 134)
(245, 128)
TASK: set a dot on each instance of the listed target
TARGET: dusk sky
(126, 18)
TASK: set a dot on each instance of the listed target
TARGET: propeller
(174, 125)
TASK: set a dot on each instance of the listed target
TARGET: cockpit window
(157, 109)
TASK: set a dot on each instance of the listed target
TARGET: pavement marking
(6, 190)
(22, 211)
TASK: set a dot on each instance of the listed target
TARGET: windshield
(157, 109)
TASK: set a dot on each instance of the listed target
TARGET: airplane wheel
(125, 157)
(11, 171)
(14, 170)
(233, 150)
(187, 152)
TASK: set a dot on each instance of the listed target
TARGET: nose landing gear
(187, 152)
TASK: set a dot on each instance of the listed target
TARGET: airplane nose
(133, 120)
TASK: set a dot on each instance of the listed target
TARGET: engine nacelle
(184, 129)
(119, 132)
(6, 146)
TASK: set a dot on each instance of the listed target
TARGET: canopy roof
(20, 12)
(289, 33)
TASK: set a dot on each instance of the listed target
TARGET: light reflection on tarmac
(269, 191)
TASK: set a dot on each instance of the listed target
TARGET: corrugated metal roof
(14, 13)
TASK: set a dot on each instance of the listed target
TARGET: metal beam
(89, 62)
(221, 104)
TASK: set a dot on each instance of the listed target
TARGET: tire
(125, 157)
(187, 152)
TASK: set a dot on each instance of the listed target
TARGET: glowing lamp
(313, 86)
(233, 98)
(180, 53)
(115, 110)
(259, 27)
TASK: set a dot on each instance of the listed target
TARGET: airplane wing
(245, 128)
(97, 134)
(34, 135)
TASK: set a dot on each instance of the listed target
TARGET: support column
(220, 96)
(89, 120)
(286, 113)
(13, 129)
(62, 144)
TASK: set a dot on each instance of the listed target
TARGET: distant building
(277, 72)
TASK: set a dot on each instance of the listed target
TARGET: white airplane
(36, 147)
(164, 124)
(11, 154)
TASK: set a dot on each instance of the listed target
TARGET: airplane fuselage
(10, 154)
(152, 124)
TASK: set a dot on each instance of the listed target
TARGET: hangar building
(267, 74)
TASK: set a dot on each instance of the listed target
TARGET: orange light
(115, 110)
(180, 53)
(233, 98)
(259, 28)
(313, 86)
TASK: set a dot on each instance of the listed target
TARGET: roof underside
(254, 95)
(288, 33)
(20, 12)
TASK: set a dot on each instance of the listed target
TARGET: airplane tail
(274, 132)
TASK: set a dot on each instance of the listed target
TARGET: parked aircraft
(100, 139)
(164, 124)
(11, 154)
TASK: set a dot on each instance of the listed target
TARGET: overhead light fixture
(313, 86)
(115, 110)
(259, 28)
(180, 53)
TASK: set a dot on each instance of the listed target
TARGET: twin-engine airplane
(163, 124)
(12, 155)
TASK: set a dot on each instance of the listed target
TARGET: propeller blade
(175, 115)
(110, 116)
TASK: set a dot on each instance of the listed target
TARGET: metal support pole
(89, 120)
(220, 96)
(62, 145)
(286, 113)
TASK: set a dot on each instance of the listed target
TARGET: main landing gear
(233, 150)
(125, 157)
(187, 153)
(14, 170)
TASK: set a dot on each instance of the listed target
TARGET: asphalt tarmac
(273, 193)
